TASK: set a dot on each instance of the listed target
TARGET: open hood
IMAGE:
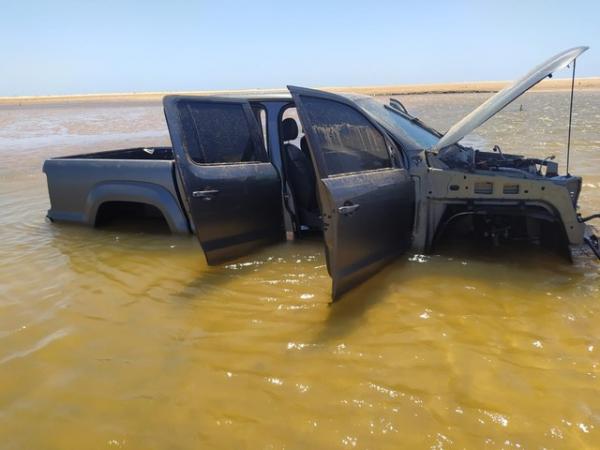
(495, 103)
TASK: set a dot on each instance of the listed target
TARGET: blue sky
(64, 46)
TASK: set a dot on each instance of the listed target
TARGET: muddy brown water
(122, 337)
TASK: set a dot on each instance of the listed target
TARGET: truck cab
(252, 174)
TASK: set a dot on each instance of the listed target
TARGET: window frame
(264, 133)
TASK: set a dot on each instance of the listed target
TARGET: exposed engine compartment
(495, 198)
(511, 165)
(467, 158)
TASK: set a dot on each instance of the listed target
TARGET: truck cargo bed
(82, 186)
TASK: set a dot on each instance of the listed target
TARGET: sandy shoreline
(407, 89)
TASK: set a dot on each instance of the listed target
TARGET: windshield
(399, 124)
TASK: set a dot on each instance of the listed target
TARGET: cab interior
(298, 173)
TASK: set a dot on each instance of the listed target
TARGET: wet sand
(406, 89)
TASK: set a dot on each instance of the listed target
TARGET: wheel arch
(538, 211)
(145, 193)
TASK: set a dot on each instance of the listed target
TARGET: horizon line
(392, 89)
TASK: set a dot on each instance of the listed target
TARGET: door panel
(369, 216)
(231, 191)
(366, 199)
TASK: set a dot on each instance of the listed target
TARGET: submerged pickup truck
(374, 180)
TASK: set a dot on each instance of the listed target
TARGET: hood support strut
(570, 115)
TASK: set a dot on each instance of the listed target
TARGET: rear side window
(348, 141)
(220, 133)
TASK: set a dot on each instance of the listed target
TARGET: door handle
(348, 209)
(206, 194)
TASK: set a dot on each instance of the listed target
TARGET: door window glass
(348, 141)
(219, 133)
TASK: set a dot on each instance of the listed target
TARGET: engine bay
(470, 159)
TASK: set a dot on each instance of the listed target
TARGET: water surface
(122, 337)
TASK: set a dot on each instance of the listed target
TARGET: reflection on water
(123, 337)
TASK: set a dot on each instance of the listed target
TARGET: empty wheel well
(494, 224)
(130, 213)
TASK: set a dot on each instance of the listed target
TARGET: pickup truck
(372, 179)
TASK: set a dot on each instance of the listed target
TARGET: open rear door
(231, 191)
(365, 195)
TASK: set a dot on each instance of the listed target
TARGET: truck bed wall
(138, 153)
(78, 186)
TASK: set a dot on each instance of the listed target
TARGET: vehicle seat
(300, 176)
(313, 204)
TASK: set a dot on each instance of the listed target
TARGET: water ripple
(39, 345)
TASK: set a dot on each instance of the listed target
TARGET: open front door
(365, 195)
(231, 191)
